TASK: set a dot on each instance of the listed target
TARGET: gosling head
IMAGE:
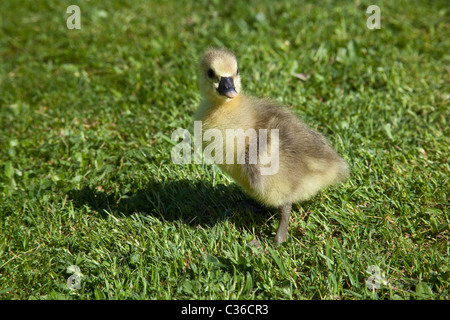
(219, 75)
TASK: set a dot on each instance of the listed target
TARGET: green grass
(86, 176)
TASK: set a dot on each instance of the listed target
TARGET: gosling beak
(226, 87)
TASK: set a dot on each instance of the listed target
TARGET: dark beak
(226, 87)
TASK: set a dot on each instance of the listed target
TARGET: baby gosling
(306, 161)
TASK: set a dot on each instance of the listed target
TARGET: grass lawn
(86, 176)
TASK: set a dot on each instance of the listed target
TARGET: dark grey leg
(285, 213)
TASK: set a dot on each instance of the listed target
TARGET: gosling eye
(211, 73)
(237, 71)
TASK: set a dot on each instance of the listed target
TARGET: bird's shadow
(193, 203)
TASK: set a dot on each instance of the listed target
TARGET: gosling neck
(224, 103)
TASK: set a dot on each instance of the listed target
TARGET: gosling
(306, 161)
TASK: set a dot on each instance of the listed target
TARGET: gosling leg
(285, 213)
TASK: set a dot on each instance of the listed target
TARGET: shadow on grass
(193, 203)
